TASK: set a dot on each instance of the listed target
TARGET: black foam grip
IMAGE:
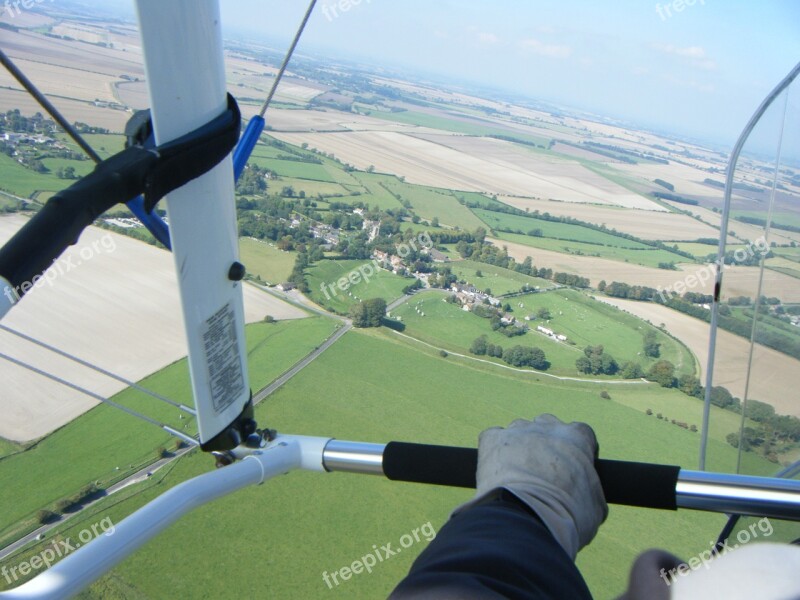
(62, 219)
(629, 483)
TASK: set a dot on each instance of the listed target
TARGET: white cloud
(488, 38)
(548, 50)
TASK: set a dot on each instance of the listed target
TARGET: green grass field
(311, 188)
(432, 202)
(82, 167)
(298, 526)
(550, 229)
(790, 253)
(92, 446)
(583, 320)
(500, 281)
(783, 218)
(648, 258)
(382, 284)
(266, 261)
(293, 168)
(8, 447)
(105, 144)
(376, 194)
(784, 265)
(23, 182)
(701, 250)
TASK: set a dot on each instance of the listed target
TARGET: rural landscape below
(423, 261)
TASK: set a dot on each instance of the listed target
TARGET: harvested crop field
(773, 372)
(73, 110)
(471, 164)
(63, 82)
(742, 230)
(738, 281)
(117, 307)
(644, 224)
(688, 181)
(555, 178)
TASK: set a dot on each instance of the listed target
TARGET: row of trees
(517, 356)
(484, 252)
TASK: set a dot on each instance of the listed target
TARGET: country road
(140, 475)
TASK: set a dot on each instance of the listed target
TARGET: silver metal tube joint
(739, 494)
(353, 457)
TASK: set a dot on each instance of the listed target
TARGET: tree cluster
(369, 313)
(595, 361)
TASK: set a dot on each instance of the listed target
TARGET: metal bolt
(236, 272)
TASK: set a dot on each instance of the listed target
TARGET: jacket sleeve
(497, 549)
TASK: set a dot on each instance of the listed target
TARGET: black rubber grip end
(424, 463)
(638, 484)
(629, 483)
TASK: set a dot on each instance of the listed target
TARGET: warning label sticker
(223, 359)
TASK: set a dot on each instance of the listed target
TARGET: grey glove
(549, 466)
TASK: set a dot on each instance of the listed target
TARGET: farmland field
(293, 168)
(23, 182)
(7, 447)
(644, 224)
(424, 407)
(265, 260)
(784, 265)
(455, 125)
(500, 281)
(430, 153)
(775, 372)
(312, 188)
(82, 452)
(701, 251)
(583, 320)
(470, 164)
(118, 300)
(376, 193)
(646, 256)
(429, 203)
(555, 230)
(739, 281)
(383, 284)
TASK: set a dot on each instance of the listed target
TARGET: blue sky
(697, 71)
(695, 68)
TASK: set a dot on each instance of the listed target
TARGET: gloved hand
(548, 465)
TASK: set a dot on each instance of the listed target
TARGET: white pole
(184, 64)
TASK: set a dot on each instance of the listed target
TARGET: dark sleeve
(498, 549)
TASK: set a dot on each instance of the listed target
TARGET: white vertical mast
(184, 64)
